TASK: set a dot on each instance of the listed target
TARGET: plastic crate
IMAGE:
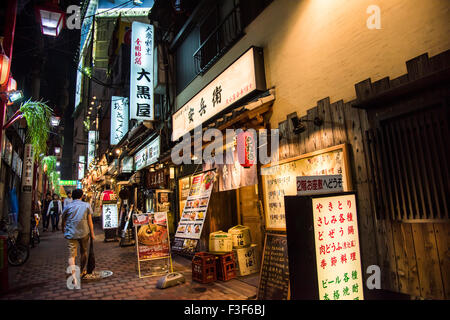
(204, 268)
(226, 266)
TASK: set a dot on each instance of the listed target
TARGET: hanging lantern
(109, 195)
(246, 149)
(13, 94)
(4, 69)
(12, 85)
(51, 18)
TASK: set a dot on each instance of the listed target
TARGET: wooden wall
(414, 257)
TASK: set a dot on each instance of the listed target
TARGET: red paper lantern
(12, 85)
(108, 195)
(246, 149)
(4, 69)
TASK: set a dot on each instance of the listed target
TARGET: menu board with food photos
(194, 212)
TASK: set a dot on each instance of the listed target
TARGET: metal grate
(218, 41)
(409, 156)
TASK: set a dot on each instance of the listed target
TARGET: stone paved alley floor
(43, 277)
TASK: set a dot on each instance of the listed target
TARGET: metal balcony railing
(219, 41)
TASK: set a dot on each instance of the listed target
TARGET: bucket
(220, 242)
(241, 236)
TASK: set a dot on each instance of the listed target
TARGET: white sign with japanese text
(237, 81)
(141, 74)
(337, 248)
(110, 216)
(81, 164)
(119, 119)
(148, 155)
(307, 185)
(28, 168)
(92, 140)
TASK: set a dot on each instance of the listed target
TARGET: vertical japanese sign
(141, 74)
(119, 119)
(81, 164)
(194, 213)
(28, 168)
(92, 140)
(110, 216)
(337, 248)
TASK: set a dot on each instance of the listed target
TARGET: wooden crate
(225, 266)
(204, 267)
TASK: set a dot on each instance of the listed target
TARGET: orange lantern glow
(4, 69)
(12, 86)
(246, 149)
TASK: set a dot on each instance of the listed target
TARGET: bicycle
(17, 253)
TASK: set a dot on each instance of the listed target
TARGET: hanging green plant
(54, 179)
(49, 164)
(37, 114)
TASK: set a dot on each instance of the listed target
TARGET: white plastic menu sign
(337, 248)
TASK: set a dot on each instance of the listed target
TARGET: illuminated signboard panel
(67, 182)
(92, 140)
(237, 81)
(110, 216)
(119, 119)
(81, 164)
(337, 248)
(148, 155)
(141, 74)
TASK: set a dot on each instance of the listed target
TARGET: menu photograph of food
(152, 235)
(194, 212)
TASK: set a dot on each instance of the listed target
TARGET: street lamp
(57, 150)
(51, 18)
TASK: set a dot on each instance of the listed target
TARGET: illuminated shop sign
(141, 74)
(337, 248)
(240, 79)
(148, 155)
(119, 119)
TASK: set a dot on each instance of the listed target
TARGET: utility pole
(28, 175)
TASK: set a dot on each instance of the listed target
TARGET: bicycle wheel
(18, 255)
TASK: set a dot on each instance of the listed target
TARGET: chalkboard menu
(274, 277)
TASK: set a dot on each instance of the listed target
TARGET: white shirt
(50, 206)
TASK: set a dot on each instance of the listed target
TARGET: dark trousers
(45, 220)
(55, 221)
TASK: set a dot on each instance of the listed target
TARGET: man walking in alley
(45, 216)
(77, 226)
(54, 210)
